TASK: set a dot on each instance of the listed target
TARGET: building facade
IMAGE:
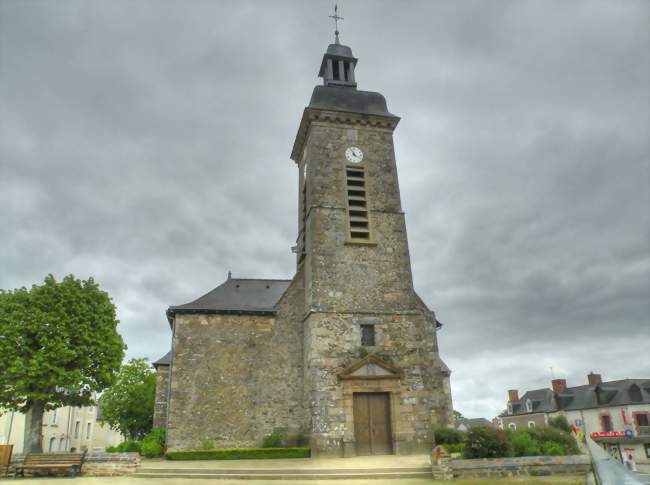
(343, 356)
(65, 429)
(614, 414)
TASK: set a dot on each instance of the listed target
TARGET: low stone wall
(525, 465)
(101, 464)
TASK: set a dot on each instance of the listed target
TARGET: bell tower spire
(336, 23)
(337, 67)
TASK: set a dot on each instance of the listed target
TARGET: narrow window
(346, 67)
(357, 204)
(368, 335)
(531, 424)
(606, 421)
(88, 431)
(54, 416)
(335, 68)
(76, 429)
(303, 250)
(62, 444)
(52, 443)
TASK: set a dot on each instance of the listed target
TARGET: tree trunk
(33, 424)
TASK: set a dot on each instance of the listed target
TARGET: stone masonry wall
(160, 406)
(237, 378)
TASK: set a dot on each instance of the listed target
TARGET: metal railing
(608, 470)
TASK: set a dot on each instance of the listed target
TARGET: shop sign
(608, 434)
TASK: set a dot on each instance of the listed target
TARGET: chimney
(513, 395)
(594, 379)
(559, 386)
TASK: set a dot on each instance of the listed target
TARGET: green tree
(128, 405)
(458, 415)
(58, 346)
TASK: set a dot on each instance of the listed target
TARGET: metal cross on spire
(336, 23)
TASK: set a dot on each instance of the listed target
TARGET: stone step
(283, 475)
(285, 471)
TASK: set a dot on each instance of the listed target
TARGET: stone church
(344, 356)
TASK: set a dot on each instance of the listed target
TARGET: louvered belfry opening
(357, 204)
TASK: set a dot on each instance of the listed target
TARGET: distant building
(65, 429)
(464, 424)
(615, 414)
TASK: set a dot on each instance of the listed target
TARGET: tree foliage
(58, 346)
(560, 422)
(128, 405)
(458, 415)
(448, 436)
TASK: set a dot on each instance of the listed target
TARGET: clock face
(354, 154)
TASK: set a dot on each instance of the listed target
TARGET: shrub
(240, 454)
(273, 440)
(553, 448)
(523, 444)
(128, 446)
(484, 442)
(560, 422)
(455, 448)
(543, 435)
(153, 444)
(448, 436)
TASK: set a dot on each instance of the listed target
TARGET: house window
(52, 443)
(512, 426)
(368, 335)
(509, 408)
(647, 450)
(62, 444)
(88, 431)
(76, 429)
(54, 416)
(642, 421)
(531, 424)
(606, 422)
(529, 406)
(357, 204)
(635, 393)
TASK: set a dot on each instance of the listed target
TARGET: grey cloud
(147, 144)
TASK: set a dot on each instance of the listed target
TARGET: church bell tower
(373, 380)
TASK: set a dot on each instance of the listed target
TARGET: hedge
(240, 454)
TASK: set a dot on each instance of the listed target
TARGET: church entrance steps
(363, 467)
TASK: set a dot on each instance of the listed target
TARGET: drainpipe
(9, 426)
(67, 431)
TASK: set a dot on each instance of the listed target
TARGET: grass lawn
(559, 480)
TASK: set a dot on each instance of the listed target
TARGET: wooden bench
(5, 458)
(56, 462)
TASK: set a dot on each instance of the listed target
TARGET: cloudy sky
(147, 144)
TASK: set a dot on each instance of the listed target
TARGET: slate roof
(164, 360)
(237, 295)
(342, 98)
(472, 422)
(606, 394)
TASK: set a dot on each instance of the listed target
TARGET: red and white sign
(608, 434)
